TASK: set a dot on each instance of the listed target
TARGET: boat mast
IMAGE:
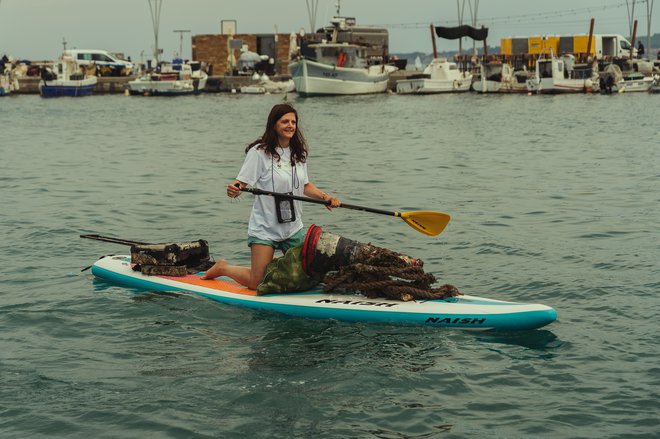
(649, 12)
(312, 11)
(155, 7)
(181, 32)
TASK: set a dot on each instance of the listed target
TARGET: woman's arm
(314, 192)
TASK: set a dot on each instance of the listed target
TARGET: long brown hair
(269, 141)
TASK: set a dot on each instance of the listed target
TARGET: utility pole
(181, 32)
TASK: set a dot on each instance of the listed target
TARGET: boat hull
(498, 87)
(635, 85)
(463, 312)
(431, 86)
(317, 79)
(160, 88)
(58, 88)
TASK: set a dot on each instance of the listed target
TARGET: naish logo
(356, 302)
(456, 321)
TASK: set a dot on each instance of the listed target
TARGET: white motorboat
(655, 88)
(499, 77)
(264, 85)
(561, 75)
(440, 76)
(635, 82)
(66, 78)
(170, 79)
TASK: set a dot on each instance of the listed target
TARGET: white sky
(34, 29)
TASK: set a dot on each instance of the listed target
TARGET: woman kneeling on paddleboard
(277, 162)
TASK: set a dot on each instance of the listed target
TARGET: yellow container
(505, 46)
(535, 45)
(580, 43)
(551, 42)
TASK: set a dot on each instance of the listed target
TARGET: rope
(383, 273)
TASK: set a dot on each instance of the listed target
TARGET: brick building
(214, 50)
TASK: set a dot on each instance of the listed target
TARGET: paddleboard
(464, 312)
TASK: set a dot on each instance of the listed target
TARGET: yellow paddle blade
(427, 222)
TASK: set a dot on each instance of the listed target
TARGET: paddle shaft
(113, 240)
(256, 191)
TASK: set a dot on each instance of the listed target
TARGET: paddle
(427, 222)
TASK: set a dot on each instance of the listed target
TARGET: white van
(102, 59)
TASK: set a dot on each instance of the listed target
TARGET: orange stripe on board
(229, 286)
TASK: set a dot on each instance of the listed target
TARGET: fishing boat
(440, 76)
(66, 78)
(635, 82)
(556, 75)
(170, 79)
(499, 77)
(339, 64)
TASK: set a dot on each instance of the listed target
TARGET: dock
(214, 84)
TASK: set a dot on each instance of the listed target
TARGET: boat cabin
(341, 55)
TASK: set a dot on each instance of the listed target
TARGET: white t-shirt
(262, 171)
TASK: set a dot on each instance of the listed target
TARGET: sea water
(554, 200)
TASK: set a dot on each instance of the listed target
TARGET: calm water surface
(554, 200)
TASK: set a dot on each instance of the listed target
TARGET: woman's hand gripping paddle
(428, 222)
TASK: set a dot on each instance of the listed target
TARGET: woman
(276, 162)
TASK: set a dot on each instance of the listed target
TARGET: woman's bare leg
(261, 256)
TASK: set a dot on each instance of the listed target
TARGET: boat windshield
(545, 68)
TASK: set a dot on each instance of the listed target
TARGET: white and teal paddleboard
(464, 312)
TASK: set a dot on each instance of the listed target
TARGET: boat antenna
(181, 32)
(155, 7)
(64, 44)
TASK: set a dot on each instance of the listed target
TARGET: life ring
(341, 59)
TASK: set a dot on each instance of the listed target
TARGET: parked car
(106, 63)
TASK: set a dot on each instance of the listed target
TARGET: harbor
(345, 57)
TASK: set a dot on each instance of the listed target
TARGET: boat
(463, 312)
(499, 77)
(556, 75)
(66, 78)
(655, 88)
(635, 82)
(264, 85)
(8, 79)
(333, 67)
(170, 79)
(440, 76)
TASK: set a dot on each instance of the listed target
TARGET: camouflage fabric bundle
(286, 275)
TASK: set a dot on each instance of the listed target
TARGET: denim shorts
(293, 241)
